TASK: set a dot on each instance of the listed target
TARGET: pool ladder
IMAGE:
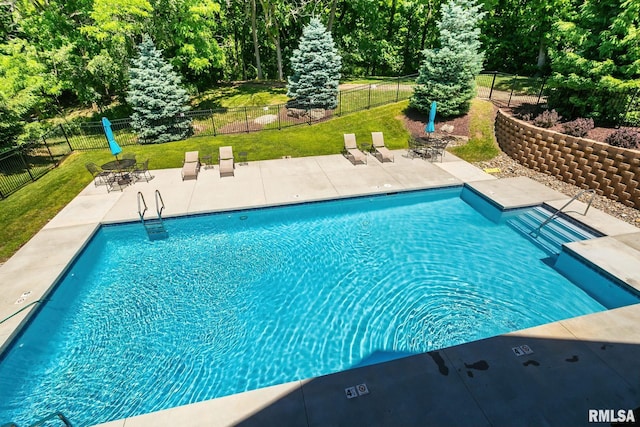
(154, 226)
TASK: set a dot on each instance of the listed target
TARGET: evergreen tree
(447, 75)
(156, 97)
(316, 69)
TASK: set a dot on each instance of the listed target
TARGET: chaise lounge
(382, 153)
(191, 165)
(227, 165)
(351, 150)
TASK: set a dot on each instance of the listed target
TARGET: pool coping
(284, 181)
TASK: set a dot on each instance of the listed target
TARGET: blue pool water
(237, 301)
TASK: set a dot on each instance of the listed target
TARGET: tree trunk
(332, 15)
(392, 15)
(542, 55)
(407, 44)
(425, 27)
(254, 30)
(279, 54)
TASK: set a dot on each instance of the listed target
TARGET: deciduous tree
(596, 61)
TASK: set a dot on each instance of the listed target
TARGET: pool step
(553, 235)
(155, 229)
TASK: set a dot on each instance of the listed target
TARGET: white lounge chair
(382, 153)
(351, 150)
(227, 164)
(191, 165)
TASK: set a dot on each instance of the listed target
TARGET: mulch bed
(415, 123)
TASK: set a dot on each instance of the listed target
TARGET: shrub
(624, 138)
(547, 119)
(578, 127)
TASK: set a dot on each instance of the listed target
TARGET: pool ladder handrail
(159, 209)
(536, 232)
(42, 422)
(140, 211)
(22, 309)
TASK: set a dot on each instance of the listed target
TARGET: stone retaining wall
(612, 171)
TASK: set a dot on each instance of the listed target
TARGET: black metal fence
(90, 135)
(22, 165)
(607, 107)
(508, 90)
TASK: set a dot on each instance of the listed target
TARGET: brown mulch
(415, 123)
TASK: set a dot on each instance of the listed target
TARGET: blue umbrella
(113, 145)
(431, 126)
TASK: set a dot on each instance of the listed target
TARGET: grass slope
(482, 143)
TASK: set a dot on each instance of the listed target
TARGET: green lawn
(521, 85)
(482, 144)
(246, 94)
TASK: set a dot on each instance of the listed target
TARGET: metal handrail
(23, 309)
(158, 208)
(536, 232)
(140, 211)
(49, 417)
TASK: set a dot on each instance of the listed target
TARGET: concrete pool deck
(588, 362)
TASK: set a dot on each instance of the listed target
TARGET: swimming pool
(237, 301)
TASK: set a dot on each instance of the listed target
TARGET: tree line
(60, 53)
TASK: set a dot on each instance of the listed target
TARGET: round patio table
(119, 165)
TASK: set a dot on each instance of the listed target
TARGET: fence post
(544, 80)
(340, 103)
(398, 89)
(26, 166)
(628, 107)
(279, 128)
(493, 82)
(369, 103)
(246, 118)
(513, 83)
(213, 123)
(47, 145)
(65, 136)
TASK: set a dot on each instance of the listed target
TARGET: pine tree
(316, 69)
(156, 97)
(447, 75)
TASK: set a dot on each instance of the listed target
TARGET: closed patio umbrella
(113, 145)
(431, 126)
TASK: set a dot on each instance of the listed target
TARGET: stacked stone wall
(611, 171)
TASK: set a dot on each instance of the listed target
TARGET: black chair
(438, 149)
(99, 175)
(132, 158)
(142, 169)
